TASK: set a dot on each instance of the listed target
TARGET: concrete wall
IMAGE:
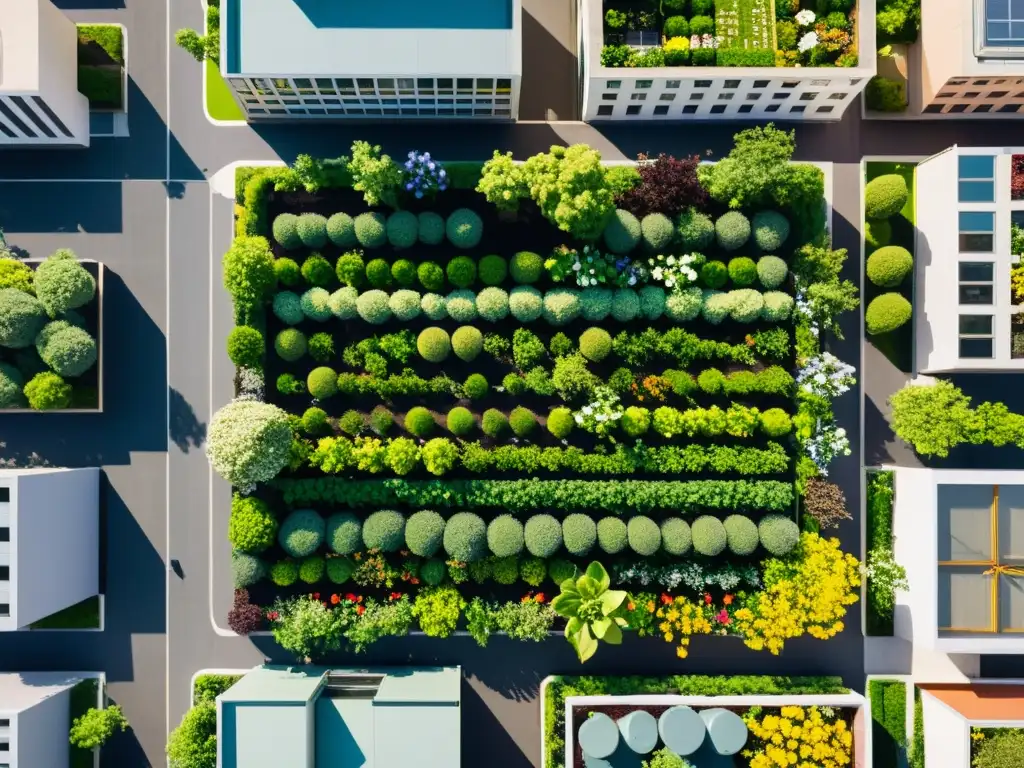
(42, 733)
(947, 736)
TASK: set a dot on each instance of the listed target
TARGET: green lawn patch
(747, 24)
(101, 65)
(83, 698)
(889, 722)
(220, 100)
(879, 535)
(83, 615)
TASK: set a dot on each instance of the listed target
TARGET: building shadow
(186, 430)
(485, 737)
(550, 68)
(32, 207)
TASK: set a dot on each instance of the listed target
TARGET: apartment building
(39, 100)
(35, 718)
(300, 59)
(49, 542)
(674, 93)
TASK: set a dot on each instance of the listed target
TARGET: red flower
(324, 603)
(727, 600)
(666, 599)
(414, 580)
(335, 599)
(707, 598)
(316, 595)
(539, 597)
(527, 597)
(350, 597)
(360, 610)
(722, 617)
(273, 615)
(395, 596)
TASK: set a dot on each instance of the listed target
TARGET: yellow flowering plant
(798, 737)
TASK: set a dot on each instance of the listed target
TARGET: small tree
(249, 442)
(96, 726)
(503, 183)
(249, 272)
(193, 744)
(934, 419)
(377, 176)
(568, 183)
(192, 42)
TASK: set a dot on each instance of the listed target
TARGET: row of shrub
(618, 496)
(695, 231)
(888, 265)
(676, 52)
(401, 229)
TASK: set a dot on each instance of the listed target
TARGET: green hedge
(889, 722)
(209, 687)
(684, 685)
(917, 744)
(879, 536)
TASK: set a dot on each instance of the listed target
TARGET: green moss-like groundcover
(101, 75)
(888, 722)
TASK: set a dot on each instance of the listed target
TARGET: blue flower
(412, 154)
(419, 194)
(442, 174)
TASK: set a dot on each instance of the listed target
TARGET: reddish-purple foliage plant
(667, 185)
(1017, 177)
(244, 617)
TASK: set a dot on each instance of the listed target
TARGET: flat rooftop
(21, 690)
(354, 37)
(19, 46)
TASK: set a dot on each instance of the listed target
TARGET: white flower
(600, 417)
(658, 272)
(807, 42)
(576, 267)
(671, 260)
(587, 410)
(579, 419)
(805, 18)
(669, 283)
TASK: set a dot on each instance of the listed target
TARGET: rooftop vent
(344, 685)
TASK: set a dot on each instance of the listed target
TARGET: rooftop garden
(729, 33)
(996, 747)
(101, 65)
(486, 397)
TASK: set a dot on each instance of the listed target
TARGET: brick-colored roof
(981, 702)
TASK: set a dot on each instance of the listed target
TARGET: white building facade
(39, 100)
(965, 318)
(35, 718)
(719, 93)
(49, 542)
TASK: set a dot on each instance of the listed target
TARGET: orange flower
(666, 599)
(357, 556)
(650, 606)
(630, 606)
(539, 598)
(727, 600)
(360, 610)
(335, 599)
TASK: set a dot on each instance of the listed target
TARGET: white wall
(947, 736)
(41, 733)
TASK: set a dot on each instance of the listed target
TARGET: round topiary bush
(317, 271)
(560, 422)
(675, 536)
(695, 230)
(431, 228)
(248, 442)
(505, 536)
(644, 535)
(351, 269)
(741, 534)
(434, 307)
(433, 572)
(384, 530)
(378, 274)
(424, 532)
(622, 232)
(312, 230)
(716, 306)
(290, 344)
(612, 535)
(404, 305)
(403, 272)
(371, 231)
(341, 230)
(372, 307)
(22, 317)
(579, 534)
(657, 232)
(67, 349)
(339, 569)
(562, 306)
(775, 422)
(402, 229)
(464, 228)
(301, 533)
(714, 275)
(434, 344)
(314, 421)
(246, 569)
(461, 305)
(476, 386)
(745, 305)
(652, 302)
(431, 276)
(285, 231)
(461, 271)
(419, 421)
(889, 266)
(542, 535)
(467, 342)
(683, 306)
(494, 423)
(493, 270)
(779, 535)
(709, 536)
(526, 267)
(343, 303)
(465, 537)
(522, 421)
(252, 527)
(886, 313)
(770, 229)
(771, 271)
(526, 303)
(595, 344)
(492, 304)
(625, 305)
(284, 573)
(732, 230)
(322, 382)
(460, 421)
(46, 391)
(311, 569)
(316, 304)
(635, 421)
(885, 196)
(287, 271)
(742, 271)
(344, 533)
(778, 306)
(877, 232)
(11, 383)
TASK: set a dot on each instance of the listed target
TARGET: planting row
(402, 229)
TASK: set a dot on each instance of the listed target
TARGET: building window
(855, 80)
(667, 97)
(976, 282)
(977, 231)
(1009, 107)
(731, 84)
(5, 534)
(745, 108)
(702, 84)
(808, 96)
(690, 109)
(933, 108)
(5, 573)
(633, 110)
(696, 96)
(761, 83)
(997, 94)
(5, 610)
(780, 96)
(661, 109)
(791, 84)
(638, 97)
(772, 108)
(613, 84)
(673, 83)
(826, 108)
(976, 336)
(976, 179)
(970, 94)
(824, 83)
(725, 96)
(717, 109)
(798, 109)
(838, 96)
(609, 96)
(1004, 25)
(958, 108)
(5, 493)
(644, 83)
(753, 96)
(982, 108)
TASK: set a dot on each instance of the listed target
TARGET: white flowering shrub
(826, 375)
(805, 18)
(248, 442)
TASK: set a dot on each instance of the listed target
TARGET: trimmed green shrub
(344, 533)
(475, 386)
(622, 232)
(492, 304)
(775, 422)
(434, 307)
(352, 423)
(290, 344)
(285, 231)
(885, 196)
(344, 302)
(505, 536)
(514, 384)
(625, 305)
(702, 25)
(464, 228)
(741, 534)
(526, 303)
(533, 571)
(579, 534)
(248, 274)
(461, 271)
(877, 232)
(47, 391)
(711, 381)
(341, 230)
(493, 270)
(717, 306)
(695, 230)
(16, 274)
(402, 229)
(339, 569)
(886, 313)
(419, 421)
(370, 230)
(405, 304)
(65, 348)
(526, 267)
(779, 535)
(252, 527)
(351, 269)
(431, 228)
(657, 232)
(314, 421)
(732, 230)
(317, 271)
(322, 382)
(433, 572)
(778, 306)
(612, 535)
(431, 276)
(494, 423)
(709, 536)
(635, 421)
(439, 456)
(316, 304)
(675, 536)
(683, 306)
(676, 26)
(595, 344)
(11, 383)
(505, 570)
(22, 317)
(424, 532)
(384, 530)
(771, 271)
(595, 303)
(467, 342)
(287, 271)
(562, 306)
(560, 422)
(523, 421)
(372, 307)
(403, 272)
(542, 535)
(246, 569)
(460, 421)
(745, 305)
(301, 533)
(714, 275)
(742, 271)
(560, 570)
(284, 573)
(465, 537)
(644, 535)
(461, 305)
(381, 419)
(311, 569)
(889, 266)
(770, 229)
(652, 302)
(378, 273)
(312, 230)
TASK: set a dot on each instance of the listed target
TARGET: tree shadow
(185, 429)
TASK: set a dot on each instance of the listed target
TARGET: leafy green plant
(438, 610)
(377, 176)
(589, 605)
(96, 726)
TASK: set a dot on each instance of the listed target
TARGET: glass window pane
(965, 523)
(977, 221)
(976, 348)
(1011, 523)
(1011, 602)
(965, 598)
(976, 243)
(976, 271)
(975, 294)
(977, 166)
(976, 324)
(303, 82)
(977, 192)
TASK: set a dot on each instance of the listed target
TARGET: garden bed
(101, 65)
(880, 502)
(889, 722)
(84, 696)
(83, 615)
